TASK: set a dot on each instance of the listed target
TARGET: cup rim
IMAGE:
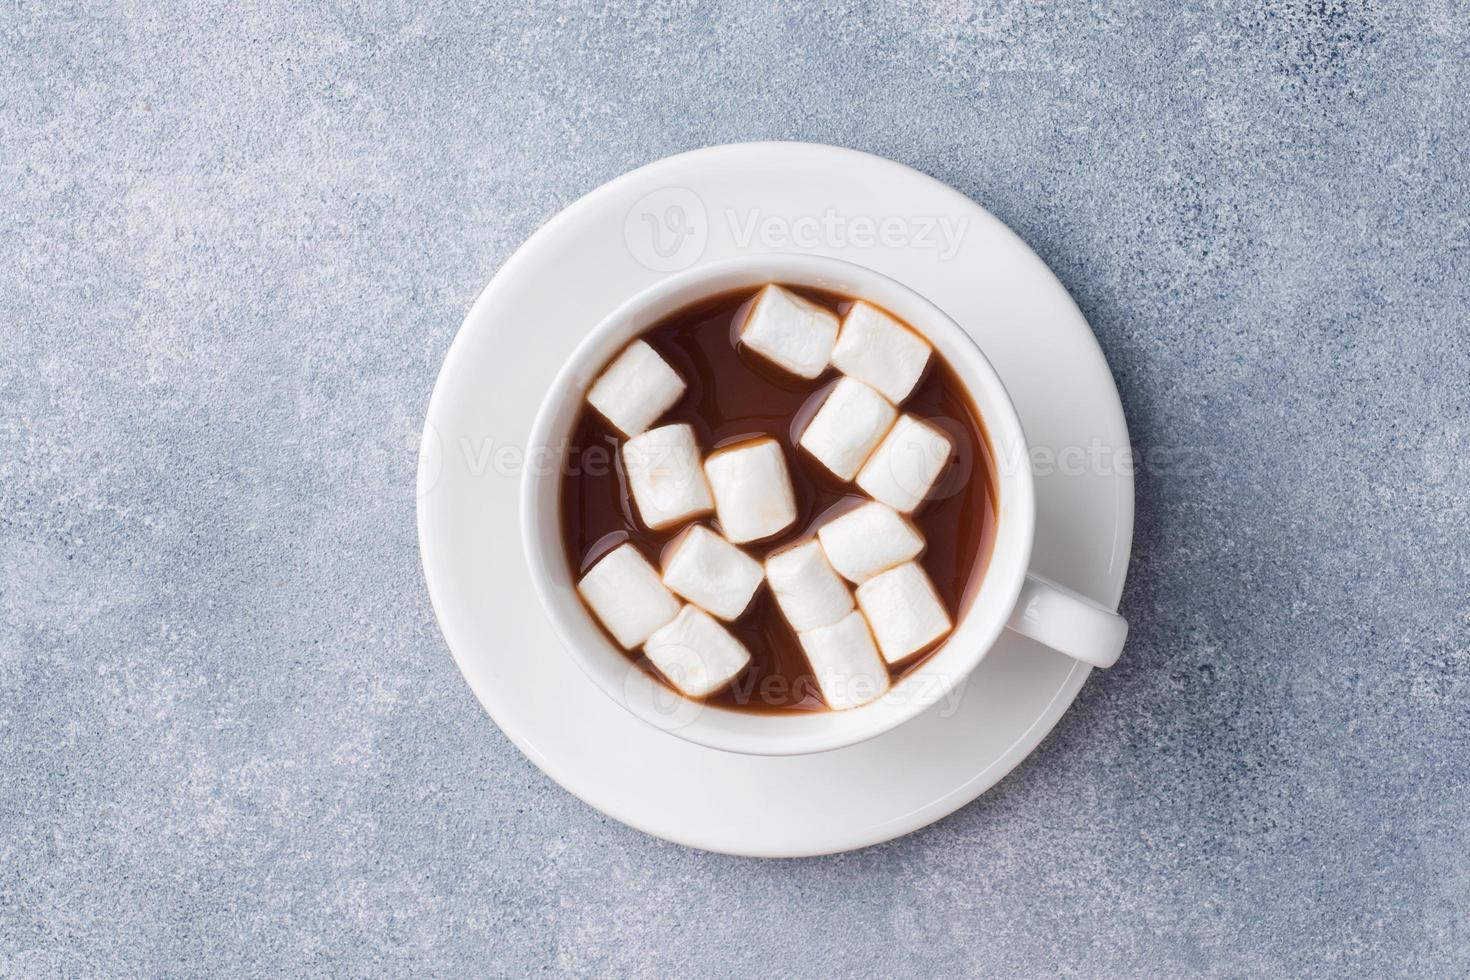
(962, 650)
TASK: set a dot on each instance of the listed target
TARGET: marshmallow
(711, 572)
(877, 349)
(636, 388)
(753, 494)
(809, 592)
(790, 331)
(848, 668)
(867, 540)
(846, 429)
(906, 463)
(665, 476)
(624, 592)
(696, 654)
(903, 610)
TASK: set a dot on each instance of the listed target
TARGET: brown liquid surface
(734, 395)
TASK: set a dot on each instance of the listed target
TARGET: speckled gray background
(238, 239)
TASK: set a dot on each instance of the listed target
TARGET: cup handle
(1068, 622)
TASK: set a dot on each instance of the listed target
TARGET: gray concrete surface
(238, 240)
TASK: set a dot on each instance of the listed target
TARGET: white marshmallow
(696, 654)
(711, 572)
(624, 592)
(753, 494)
(906, 463)
(848, 427)
(808, 590)
(790, 331)
(665, 476)
(636, 388)
(877, 349)
(903, 610)
(848, 668)
(867, 540)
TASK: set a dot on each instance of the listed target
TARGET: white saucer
(711, 204)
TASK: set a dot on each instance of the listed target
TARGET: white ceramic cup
(1008, 595)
